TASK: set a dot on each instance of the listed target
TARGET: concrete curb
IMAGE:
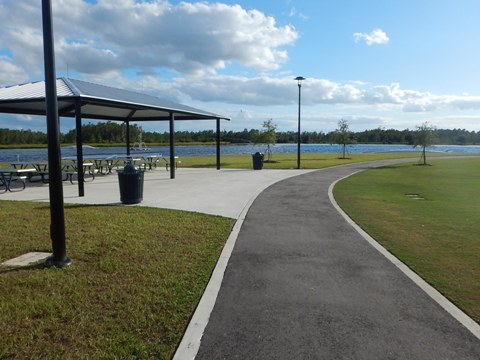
(446, 304)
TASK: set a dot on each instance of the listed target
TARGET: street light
(57, 223)
(299, 80)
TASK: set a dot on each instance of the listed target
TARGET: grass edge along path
(427, 217)
(137, 276)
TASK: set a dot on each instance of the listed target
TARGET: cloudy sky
(389, 64)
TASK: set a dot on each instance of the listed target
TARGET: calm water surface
(41, 154)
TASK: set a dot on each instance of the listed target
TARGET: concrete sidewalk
(218, 192)
(302, 283)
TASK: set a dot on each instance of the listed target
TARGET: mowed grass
(437, 237)
(137, 276)
(289, 161)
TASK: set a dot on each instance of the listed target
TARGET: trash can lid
(129, 168)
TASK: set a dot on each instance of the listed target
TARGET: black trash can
(130, 180)
(257, 161)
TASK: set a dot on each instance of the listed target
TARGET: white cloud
(189, 43)
(375, 37)
(10, 73)
(189, 38)
(282, 91)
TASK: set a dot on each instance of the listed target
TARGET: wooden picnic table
(9, 175)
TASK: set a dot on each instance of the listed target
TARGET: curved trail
(302, 283)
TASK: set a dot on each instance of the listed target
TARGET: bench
(43, 177)
(151, 164)
(167, 162)
(7, 176)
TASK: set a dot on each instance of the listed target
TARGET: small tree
(267, 136)
(343, 136)
(424, 137)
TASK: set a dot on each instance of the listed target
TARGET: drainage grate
(415, 196)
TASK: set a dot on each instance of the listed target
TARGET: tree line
(114, 133)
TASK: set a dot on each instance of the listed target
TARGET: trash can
(130, 180)
(257, 161)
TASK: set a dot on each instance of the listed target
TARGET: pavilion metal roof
(98, 102)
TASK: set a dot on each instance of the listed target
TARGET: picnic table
(104, 164)
(167, 162)
(40, 166)
(150, 160)
(9, 175)
(71, 168)
(20, 164)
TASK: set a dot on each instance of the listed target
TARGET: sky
(378, 64)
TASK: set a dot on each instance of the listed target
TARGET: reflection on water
(41, 154)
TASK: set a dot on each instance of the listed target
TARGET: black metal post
(217, 138)
(172, 145)
(57, 225)
(299, 79)
(127, 135)
(78, 128)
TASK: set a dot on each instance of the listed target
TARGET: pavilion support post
(172, 145)
(127, 123)
(78, 132)
(57, 225)
(127, 131)
(217, 138)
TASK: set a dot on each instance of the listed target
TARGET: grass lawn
(438, 237)
(289, 161)
(137, 276)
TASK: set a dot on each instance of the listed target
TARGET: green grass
(289, 161)
(437, 237)
(137, 276)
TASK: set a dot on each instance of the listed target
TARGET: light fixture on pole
(299, 80)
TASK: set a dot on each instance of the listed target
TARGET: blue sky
(390, 64)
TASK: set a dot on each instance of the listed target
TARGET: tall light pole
(299, 80)
(57, 223)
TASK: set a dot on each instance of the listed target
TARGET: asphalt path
(302, 283)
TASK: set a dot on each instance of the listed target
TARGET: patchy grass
(137, 276)
(437, 236)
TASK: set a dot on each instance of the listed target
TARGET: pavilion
(80, 99)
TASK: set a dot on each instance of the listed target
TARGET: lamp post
(299, 80)
(57, 225)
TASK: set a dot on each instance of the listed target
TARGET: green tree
(343, 136)
(424, 137)
(267, 136)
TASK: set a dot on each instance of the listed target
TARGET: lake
(9, 155)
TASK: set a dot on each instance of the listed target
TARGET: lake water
(10, 155)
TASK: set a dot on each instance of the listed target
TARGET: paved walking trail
(302, 283)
